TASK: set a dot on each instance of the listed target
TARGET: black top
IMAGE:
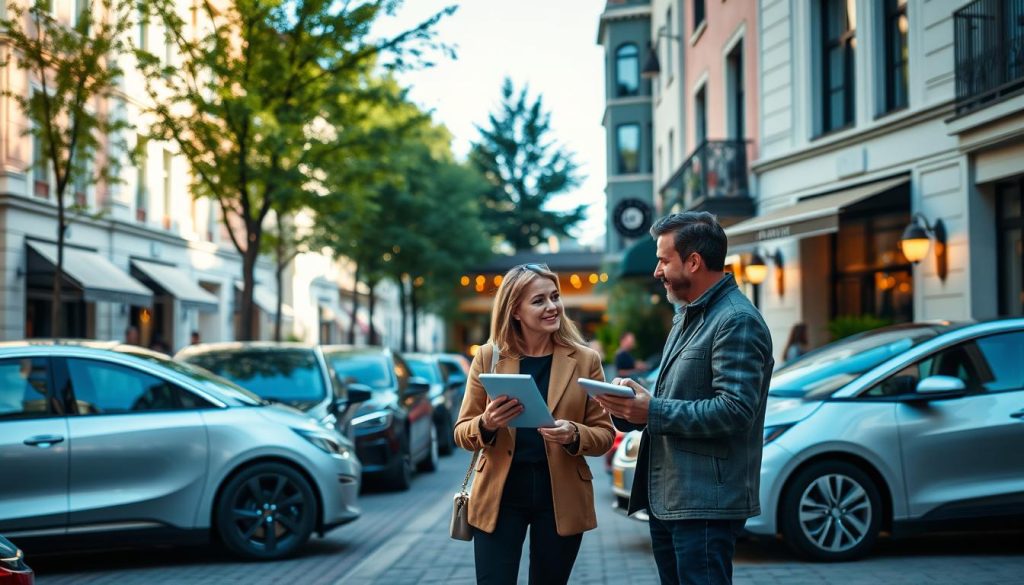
(624, 360)
(529, 443)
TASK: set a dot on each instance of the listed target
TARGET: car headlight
(14, 563)
(325, 443)
(380, 418)
(631, 446)
(774, 432)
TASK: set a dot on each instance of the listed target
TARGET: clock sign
(632, 217)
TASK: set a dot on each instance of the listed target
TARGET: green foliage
(847, 325)
(631, 307)
(77, 72)
(525, 168)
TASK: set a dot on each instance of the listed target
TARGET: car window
(1001, 362)
(424, 369)
(289, 376)
(360, 368)
(106, 388)
(25, 389)
(219, 386)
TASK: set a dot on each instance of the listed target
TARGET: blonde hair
(508, 332)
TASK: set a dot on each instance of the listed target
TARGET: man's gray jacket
(700, 453)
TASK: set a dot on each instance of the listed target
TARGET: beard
(676, 289)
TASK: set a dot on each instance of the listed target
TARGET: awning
(809, 217)
(173, 281)
(266, 300)
(99, 278)
(640, 259)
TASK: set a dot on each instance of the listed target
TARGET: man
(625, 364)
(131, 335)
(194, 338)
(699, 463)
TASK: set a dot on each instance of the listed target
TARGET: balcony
(989, 36)
(713, 179)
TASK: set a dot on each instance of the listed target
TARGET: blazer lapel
(562, 367)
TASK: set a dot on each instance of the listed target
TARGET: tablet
(595, 388)
(521, 387)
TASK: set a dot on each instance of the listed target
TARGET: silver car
(125, 442)
(910, 427)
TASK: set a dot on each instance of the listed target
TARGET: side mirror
(417, 386)
(456, 382)
(357, 393)
(940, 387)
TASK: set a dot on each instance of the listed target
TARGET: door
(33, 448)
(417, 405)
(140, 447)
(963, 454)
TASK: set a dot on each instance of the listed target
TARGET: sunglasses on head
(538, 268)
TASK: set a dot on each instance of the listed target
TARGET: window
(1010, 246)
(25, 389)
(82, 179)
(896, 54)
(628, 143)
(40, 169)
(106, 388)
(698, 13)
(700, 117)
(870, 277)
(627, 70)
(737, 95)
(838, 27)
(290, 376)
(143, 39)
(669, 30)
(362, 368)
(1001, 362)
(168, 160)
(141, 184)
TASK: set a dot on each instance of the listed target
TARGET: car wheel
(266, 512)
(831, 511)
(445, 435)
(432, 459)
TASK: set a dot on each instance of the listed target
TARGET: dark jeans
(695, 551)
(525, 503)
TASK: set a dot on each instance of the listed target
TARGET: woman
(796, 345)
(532, 478)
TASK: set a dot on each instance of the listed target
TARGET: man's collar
(724, 285)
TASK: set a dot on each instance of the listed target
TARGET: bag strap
(495, 355)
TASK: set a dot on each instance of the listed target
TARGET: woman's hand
(499, 412)
(563, 433)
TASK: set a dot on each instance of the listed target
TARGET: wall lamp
(652, 67)
(917, 239)
(756, 270)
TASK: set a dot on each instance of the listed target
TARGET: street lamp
(652, 67)
(917, 239)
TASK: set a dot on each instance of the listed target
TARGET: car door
(33, 448)
(138, 447)
(962, 456)
(418, 407)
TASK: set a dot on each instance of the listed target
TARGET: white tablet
(521, 387)
(595, 388)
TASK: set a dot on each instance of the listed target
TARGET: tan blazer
(571, 481)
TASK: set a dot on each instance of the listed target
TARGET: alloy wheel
(835, 513)
(267, 512)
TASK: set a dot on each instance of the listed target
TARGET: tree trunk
(370, 305)
(57, 309)
(415, 319)
(246, 308)
(404, 346)
(279, 275)
(355, 309)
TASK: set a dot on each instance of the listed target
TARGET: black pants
(525, 502)
(695, 552)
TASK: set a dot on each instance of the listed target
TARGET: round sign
(632, 217)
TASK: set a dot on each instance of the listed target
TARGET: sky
(549, 45)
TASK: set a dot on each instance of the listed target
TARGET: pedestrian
(158, 344)
(532, 478)
(625, 364)
(796, 345)
(194, 338)
(131, 335)
(698, 468)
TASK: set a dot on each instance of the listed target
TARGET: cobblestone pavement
(402, 539)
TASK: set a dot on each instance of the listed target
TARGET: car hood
(787, 411)
(287, 415)
(381, 400)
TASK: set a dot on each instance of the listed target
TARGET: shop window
(1010, 224)
(871, 276)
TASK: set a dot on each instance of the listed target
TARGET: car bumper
(774, 460)
(379, 451)
(339, 490)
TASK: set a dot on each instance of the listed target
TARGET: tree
(250, 104)
(525, 169)
(77, 70)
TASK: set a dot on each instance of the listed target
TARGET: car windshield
(369, 369)
(818, 374)
(290, 376)
(425, 369)
(205, 379)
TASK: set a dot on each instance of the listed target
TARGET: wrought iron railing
(716, 170)
(989, 37)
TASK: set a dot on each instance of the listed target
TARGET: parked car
(445, 396)
(647, 380)
(456, 370)
(295, 374)
(899, 429)
(623, 467)
(13, 570)
(394, 430)
(120, 443)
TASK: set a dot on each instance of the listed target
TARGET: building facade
(144, 252)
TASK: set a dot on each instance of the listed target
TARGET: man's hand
(499, 412)
(635, 409)
(563, 433)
